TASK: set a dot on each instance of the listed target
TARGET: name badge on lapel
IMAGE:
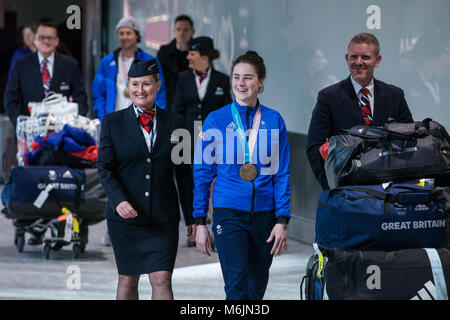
(174, 139)
(219, 91)
(64, 86)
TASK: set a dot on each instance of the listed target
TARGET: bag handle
(53, 98)
(378, 194)
(389, 134)
(395, 198)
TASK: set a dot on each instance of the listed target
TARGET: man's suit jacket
(172, 64)
(128, 172)
(25, 84)
(338, 108)
(188, 104)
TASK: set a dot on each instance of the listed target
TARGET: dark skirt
(140, 249)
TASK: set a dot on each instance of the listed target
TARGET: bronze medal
(248, 172)
(126, 92)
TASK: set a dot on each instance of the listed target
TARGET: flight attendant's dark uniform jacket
(129, 172)
(188, 104)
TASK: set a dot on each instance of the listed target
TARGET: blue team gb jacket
(104, 90)
(219, 154)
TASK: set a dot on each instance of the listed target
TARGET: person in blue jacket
(251, 191)
(26, 44)
(110, 87)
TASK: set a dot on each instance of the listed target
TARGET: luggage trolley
(27, 182)
(67, 214)
(69, 233)
(65, 228)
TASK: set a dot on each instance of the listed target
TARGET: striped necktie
(365, 106)
(46, 79)
(146, 119)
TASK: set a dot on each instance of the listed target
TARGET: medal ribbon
(124, 68)
(250, 146)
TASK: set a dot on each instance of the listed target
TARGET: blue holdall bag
(79, 190)
(373, 217)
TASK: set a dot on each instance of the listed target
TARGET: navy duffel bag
(371, 217)
(77, 189)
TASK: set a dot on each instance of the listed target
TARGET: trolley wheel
(84, 231)
(46, 251)
(83, 242)
(76, 250)
(20, 242)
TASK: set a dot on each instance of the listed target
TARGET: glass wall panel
(303, 43)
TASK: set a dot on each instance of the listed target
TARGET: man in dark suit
(172, 56)
(35, 75)
(358, 100)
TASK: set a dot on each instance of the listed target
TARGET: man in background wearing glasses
(35, 75)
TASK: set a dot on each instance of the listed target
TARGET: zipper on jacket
(252, 210)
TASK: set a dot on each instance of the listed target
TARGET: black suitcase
(395, 152)
(410, 274)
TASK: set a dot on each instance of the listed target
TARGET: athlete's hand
(280, 245)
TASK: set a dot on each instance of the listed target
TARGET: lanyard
(123, 66)
(247, 147)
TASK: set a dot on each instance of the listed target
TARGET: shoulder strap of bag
(438, 274)
(389, 198)
(378, 194)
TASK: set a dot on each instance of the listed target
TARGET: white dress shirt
(124, 64)
(201, 87)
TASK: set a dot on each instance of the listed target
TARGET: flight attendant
(201, 89)
(251, 190)
(136, 171)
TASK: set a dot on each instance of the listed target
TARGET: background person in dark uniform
(136, 171)
(172, 56)
(35, 75)
(344, 105)
(201, 89)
